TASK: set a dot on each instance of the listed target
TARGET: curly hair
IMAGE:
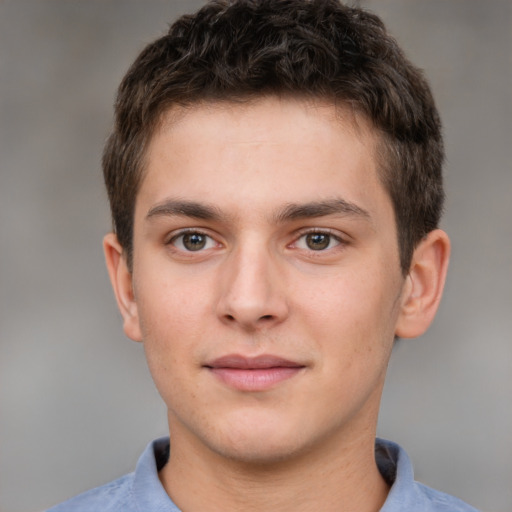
(237, 50)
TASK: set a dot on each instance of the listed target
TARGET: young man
(274, 175)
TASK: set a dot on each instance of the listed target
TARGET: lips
(253, 373)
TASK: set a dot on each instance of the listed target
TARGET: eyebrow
(320, 209)
(172, 207)
(292, 211)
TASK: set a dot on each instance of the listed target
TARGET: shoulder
(406, 494)
(140, 491)
(440, 501)
(112, 497)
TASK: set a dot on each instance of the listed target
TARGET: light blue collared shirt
(141, 491)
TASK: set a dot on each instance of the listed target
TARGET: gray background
(77, 404)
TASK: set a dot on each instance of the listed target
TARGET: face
(266, 277)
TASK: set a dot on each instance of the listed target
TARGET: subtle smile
(253, 373)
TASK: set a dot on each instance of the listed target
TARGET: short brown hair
(242, 49)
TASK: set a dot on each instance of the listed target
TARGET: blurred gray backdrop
(77, 404)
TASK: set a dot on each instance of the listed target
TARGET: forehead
(267, 110)
(280, 149)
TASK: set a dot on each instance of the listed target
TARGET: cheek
(170, 334)
(169, 305)
(354, 313)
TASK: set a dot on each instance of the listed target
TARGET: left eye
(193, 241)
(317, 241)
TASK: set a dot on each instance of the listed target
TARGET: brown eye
(318, 241)
(193, 241)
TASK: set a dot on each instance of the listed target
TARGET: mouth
(253, 373)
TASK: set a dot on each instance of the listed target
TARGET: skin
(251, 182)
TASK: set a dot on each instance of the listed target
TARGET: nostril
(266, 317)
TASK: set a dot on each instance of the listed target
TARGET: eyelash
(339, 241)
(185, 232)
(317, 231)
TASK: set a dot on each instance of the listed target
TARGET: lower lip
(259, 379)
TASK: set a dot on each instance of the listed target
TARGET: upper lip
(252, 363)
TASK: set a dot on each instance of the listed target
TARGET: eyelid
(185, 231)
(175, 235)
(336, 235)
(323, 231)
(341, 238)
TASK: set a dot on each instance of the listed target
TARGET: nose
(252, 290)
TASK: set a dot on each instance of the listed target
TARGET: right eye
(318, 240)
(192, 241)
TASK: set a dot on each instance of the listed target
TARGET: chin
(258, 452)
(268, 443)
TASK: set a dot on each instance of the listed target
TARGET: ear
(424, 285)
(121, 279)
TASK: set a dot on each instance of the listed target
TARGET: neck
(339, 477)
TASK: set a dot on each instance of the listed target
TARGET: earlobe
(424, 285)
(121, 279)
